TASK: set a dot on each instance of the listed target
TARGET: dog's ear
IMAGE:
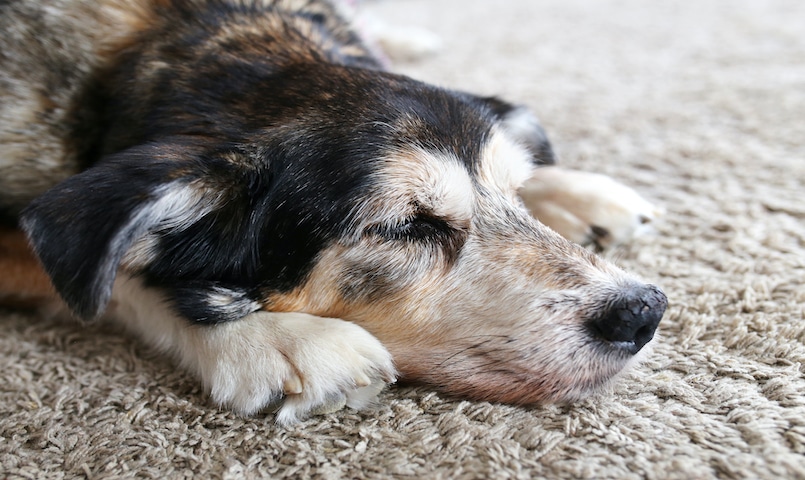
(524, 127)
(81, 228)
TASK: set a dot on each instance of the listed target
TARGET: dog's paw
(397, 42)
(406, 43)
(307, 364)
(587, 208)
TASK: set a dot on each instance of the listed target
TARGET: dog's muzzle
(630, 322)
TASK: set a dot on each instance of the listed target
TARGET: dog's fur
(241, 184)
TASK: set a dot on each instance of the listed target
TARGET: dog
(241, 184)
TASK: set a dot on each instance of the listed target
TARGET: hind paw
(587, 208)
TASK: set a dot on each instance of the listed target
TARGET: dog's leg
(310, 364)
(23, 283)
(587, 208)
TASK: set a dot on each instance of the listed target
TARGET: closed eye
(425, 230)
(419, 227)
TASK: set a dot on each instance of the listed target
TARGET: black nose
(633, 318)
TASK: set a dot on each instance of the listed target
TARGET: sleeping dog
(241, 184)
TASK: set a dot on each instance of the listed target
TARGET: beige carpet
(700, 106)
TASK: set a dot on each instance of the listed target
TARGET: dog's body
(242, 185)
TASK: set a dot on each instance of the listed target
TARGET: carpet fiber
(698, 105)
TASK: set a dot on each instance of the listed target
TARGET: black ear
(523, 126)
(81, 228)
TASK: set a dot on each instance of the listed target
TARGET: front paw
(308, 364)
(587, 208)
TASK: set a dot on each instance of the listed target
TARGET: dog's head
(364, 196)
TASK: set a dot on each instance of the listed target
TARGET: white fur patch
(505, 164)
(177, 206)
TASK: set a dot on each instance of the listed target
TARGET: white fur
(308, 363)
(571, 202)
(177, 206)
(442, 183)
(403, 42)
(505, 164)
(399, 42)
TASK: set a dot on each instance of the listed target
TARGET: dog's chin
(504, 372)
(620, 359)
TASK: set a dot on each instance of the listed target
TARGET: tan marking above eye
(418, 181)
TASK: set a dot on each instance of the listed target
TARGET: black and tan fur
(247, 167)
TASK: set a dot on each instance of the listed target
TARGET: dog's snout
(632, 320)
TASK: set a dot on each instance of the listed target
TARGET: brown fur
(23, 283)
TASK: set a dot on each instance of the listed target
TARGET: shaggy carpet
(698, 105)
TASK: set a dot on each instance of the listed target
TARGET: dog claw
(362, 380)
(292, 386)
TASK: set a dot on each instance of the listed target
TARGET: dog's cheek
(361, 281)
(390, 270)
